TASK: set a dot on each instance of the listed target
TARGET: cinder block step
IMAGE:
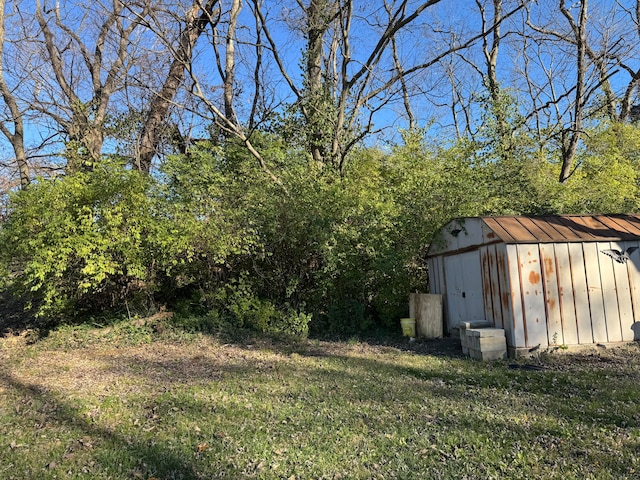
(485, 332)
(487, 343)
(483, 343)
(489, 355)
(464, 326)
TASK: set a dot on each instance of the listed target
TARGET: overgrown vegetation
(128, 402)
(324, 249)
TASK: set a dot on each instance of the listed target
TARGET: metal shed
(548, 280)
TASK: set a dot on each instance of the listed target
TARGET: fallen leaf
(202, 447)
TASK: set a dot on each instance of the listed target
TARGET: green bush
(80, 241)
(242, 308)
(214, 238)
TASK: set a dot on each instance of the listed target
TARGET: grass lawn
(130, 404)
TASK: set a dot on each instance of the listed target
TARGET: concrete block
(488, 355)
(473, 324)
(485, 332)
(487, 343)
(482, 342)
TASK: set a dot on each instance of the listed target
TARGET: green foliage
(198, 226)
(348, 247)
(116, 238)
(238, 304)
(326, 250)
(607, 178)
(79, 241)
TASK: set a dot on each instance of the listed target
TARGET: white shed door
(463, 277)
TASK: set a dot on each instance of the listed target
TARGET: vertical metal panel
(594, 288)
(609, 292)
(486, 284)
(633, 272)
(442, 281)
(491, 286)
(505, 288)
(495, 287)
(435, 285)
(551, 294)
(463, 279)
(623, 288)
(533, 295)
(516, 334)
(580, 293)
(565, 290)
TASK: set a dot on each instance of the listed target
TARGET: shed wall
(545, 280)
(544, 293)
(572, 293)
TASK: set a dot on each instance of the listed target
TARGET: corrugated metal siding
(496, 285)
(517, 336)
(565, 228)
(571, 293)
(566, 286)
(545, 280)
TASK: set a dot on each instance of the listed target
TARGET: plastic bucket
(408, 327)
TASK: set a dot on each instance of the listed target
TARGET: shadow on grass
(320, 389)
(119, 456)
(605, 396)
(470, 401)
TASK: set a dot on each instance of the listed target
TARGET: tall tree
(87, 66)
(13, 127)
(578, 90)
(195, 21)
(345, 87)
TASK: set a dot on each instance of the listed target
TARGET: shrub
(241, 308)
(80, 241)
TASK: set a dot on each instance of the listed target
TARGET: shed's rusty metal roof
(565, 228)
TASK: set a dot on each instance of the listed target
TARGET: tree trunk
(317, 25)
(15, 135)
(229, 67)
(571, 137)
(196, 21)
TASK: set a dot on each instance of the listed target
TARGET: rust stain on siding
(506, 299)
(548, 266)
(534, 278)
(486, 280)
(505, 296)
